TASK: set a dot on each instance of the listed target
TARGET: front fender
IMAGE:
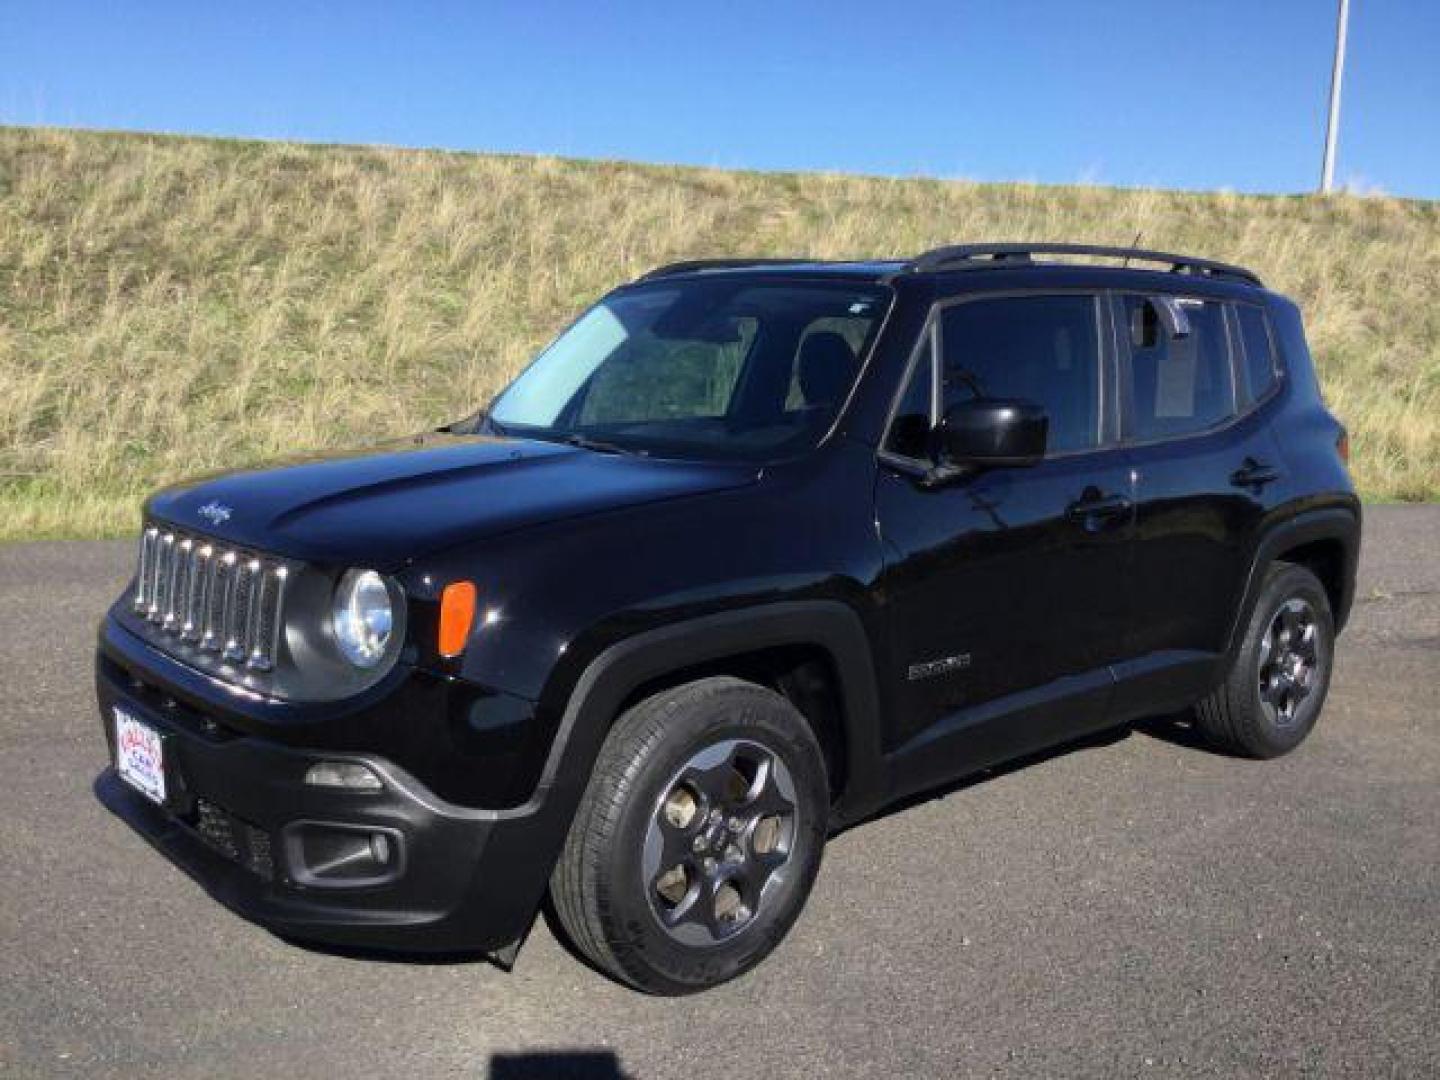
(595, 699)
(532, 847)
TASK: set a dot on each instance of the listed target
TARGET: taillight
(1342, 444)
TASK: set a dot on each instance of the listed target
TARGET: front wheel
(1277, 684)
(698, 837)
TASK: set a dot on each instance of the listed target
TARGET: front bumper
(242, 821)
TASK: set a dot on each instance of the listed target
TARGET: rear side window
(1259, 351)
(1044, 349)
(1179, 383)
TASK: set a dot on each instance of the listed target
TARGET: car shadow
(1177, 729)
(1180, 729)
(1095, 741)
(385, 954)
(557, 1065)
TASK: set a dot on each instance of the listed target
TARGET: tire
(653, 887)
(1267, 706)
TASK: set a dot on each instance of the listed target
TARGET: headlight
(363, 617)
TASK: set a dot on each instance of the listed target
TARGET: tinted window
(1259, 353)
(652, 378)
(1178, 385)
(910, 430)
(851, 329)
(707, 367)
(1043, 349)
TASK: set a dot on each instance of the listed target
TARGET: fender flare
(1337, 523)
(612, 676)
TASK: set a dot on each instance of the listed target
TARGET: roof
(868, 269)
(972, 257)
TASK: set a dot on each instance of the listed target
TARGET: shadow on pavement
(1179, 729)
(557, 1064)
(1089, 742)
(1176, 728)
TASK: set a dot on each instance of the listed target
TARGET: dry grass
(170, 306)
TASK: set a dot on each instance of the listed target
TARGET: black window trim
(1238, 412)
(930, 337)
(924, 343)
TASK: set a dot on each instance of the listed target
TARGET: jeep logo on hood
(216, 513)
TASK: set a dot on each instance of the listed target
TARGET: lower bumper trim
(305, 918)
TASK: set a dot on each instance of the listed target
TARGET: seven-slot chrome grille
(219, 599)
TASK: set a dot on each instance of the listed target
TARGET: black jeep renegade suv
(752, 550)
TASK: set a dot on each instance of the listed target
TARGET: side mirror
(993, 432)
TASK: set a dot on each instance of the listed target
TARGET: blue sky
(1172, 93)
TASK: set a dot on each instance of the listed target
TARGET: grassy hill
(172, 305)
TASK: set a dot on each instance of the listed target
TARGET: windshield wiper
(586, 442)
(569, 438)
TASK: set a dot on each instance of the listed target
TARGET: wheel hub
(1291, 659)
(719, 841)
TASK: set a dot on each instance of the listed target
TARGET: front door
(1005, 589)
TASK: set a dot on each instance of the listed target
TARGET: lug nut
(736, 824)
(699, 843)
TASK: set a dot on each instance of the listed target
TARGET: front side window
(706, 367)
(1043, 349)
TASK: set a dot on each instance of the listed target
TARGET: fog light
(342, 855)
(342, 774)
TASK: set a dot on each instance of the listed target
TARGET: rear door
(1205, 468)
(1006, 589)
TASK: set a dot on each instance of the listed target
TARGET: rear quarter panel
(1315, 497)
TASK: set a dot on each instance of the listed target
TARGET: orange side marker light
(457, 614)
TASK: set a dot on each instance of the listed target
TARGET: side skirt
(969, 740)
(1164, 682)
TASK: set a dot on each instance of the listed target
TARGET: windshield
(700, 368)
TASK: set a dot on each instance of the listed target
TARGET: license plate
(140, 756)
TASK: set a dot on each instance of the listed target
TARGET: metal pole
(1332, 123)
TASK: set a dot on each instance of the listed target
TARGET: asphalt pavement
(1135, 906)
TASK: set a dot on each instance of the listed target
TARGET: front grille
(220, 599)
(234, 838)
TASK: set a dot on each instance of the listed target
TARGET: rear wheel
(698, 838)
(1277, 684)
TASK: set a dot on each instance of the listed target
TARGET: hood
(383, 507)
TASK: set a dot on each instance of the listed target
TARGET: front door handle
(1254, 473)
(1094, 508)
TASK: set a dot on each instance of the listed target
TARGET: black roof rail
(981, 256)
(719, 264)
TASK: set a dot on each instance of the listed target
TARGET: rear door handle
(1254, 474)
(1092, 508)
